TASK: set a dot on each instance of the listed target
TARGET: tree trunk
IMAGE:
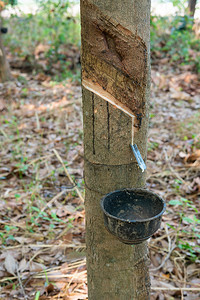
(116, 84)
(191, 7)
(5, 74)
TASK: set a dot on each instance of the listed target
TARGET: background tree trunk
(116, 68)
(192, 7)
(5, 74)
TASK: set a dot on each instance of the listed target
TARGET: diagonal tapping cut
(114, 62)
(99, 91)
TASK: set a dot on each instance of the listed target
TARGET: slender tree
(116, 84)
(192, 7)
(5, 74)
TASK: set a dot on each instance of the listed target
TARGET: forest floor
(42, 233)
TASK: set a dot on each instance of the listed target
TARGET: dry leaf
(65, 210)
(192, 269)
(168, 267)
(10, 264)
(196, 184)
(23, 240)
(182, 154)
(2, 105)
(50, 288)
(181, 96)
(166, 276)
(36, 267)
(67, 238)
(192, 158)
(22, 265)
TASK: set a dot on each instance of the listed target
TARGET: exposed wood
(99, 91)
(108, 132)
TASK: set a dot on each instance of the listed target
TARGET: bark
(192, 7)
(5, 74)
(116, 84)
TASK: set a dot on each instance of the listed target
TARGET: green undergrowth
(187, 209)
(187, 232)
(58, 32)
(189, 130)
(174, 38)
(48, 40)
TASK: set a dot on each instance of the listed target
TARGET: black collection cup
(132, 215)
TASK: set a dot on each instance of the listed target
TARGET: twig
(13, 222)
(175, 280)
(69, 283)
(168, 237)
(158, 249)
(35, 255)
(45, 273)
(171, 169)
(170, 250)
(163, 236)
(175, 289)
(68, 175)
(46, 246)
(42, 276)
(21, 286)
(58, 276)
(182, 295)
(77, 264)
(3, 133)
(185, 279)
(40, 158)
(37, 121)
(53, 200)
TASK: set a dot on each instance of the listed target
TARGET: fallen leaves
(173, 172)
(42, 223)
(39, 229)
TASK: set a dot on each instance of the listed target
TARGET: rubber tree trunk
(116, 84)
(5, 74)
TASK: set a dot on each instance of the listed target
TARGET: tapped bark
(116, 84)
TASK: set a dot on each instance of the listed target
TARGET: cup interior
(130, 205)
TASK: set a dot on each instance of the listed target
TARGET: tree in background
(185, 6)
(5, 74)
(192, 7)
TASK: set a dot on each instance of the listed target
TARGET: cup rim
(142, 190)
